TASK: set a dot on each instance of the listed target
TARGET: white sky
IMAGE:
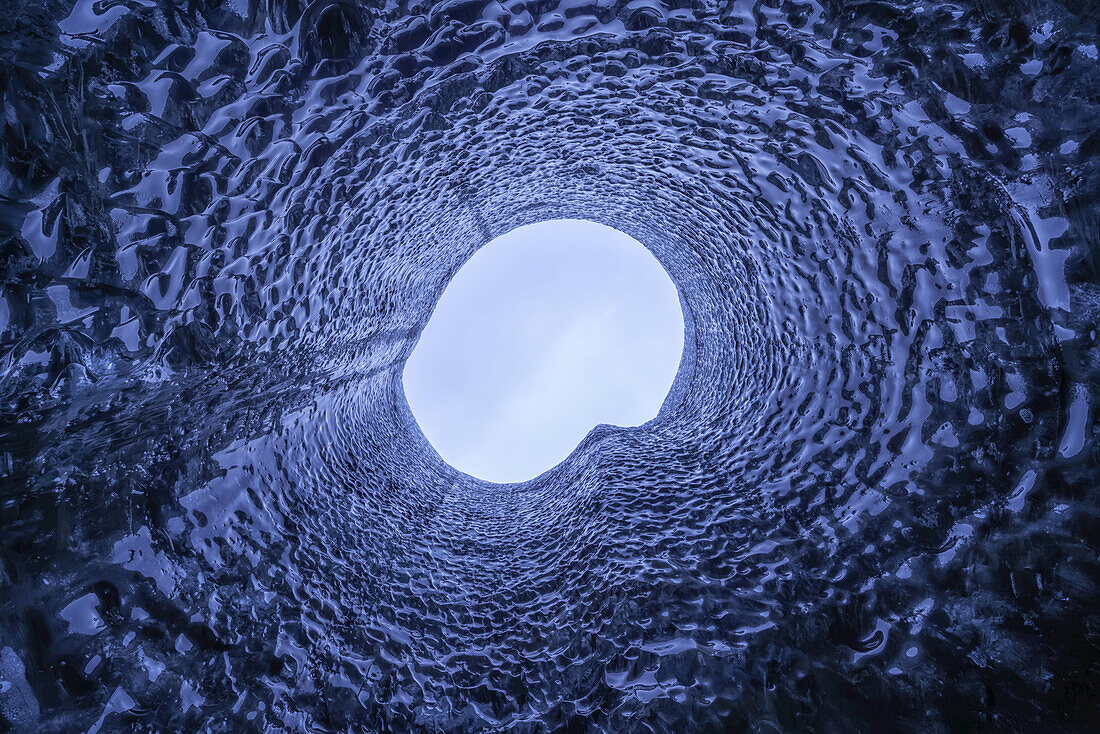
(544, 333)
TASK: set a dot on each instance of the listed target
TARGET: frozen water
(869, 502)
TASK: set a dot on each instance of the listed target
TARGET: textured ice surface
(870, 505)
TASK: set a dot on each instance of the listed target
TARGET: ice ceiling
(870, 503)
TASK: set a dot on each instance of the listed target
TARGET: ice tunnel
(869, 503)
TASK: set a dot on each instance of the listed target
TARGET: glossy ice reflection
(868, 502)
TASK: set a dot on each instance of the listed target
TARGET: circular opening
(546, 332)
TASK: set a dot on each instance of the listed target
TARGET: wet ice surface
(870, 504)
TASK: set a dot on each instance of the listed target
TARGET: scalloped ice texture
(547, 332)
(870, 505)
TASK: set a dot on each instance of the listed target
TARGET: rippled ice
(870, 503)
